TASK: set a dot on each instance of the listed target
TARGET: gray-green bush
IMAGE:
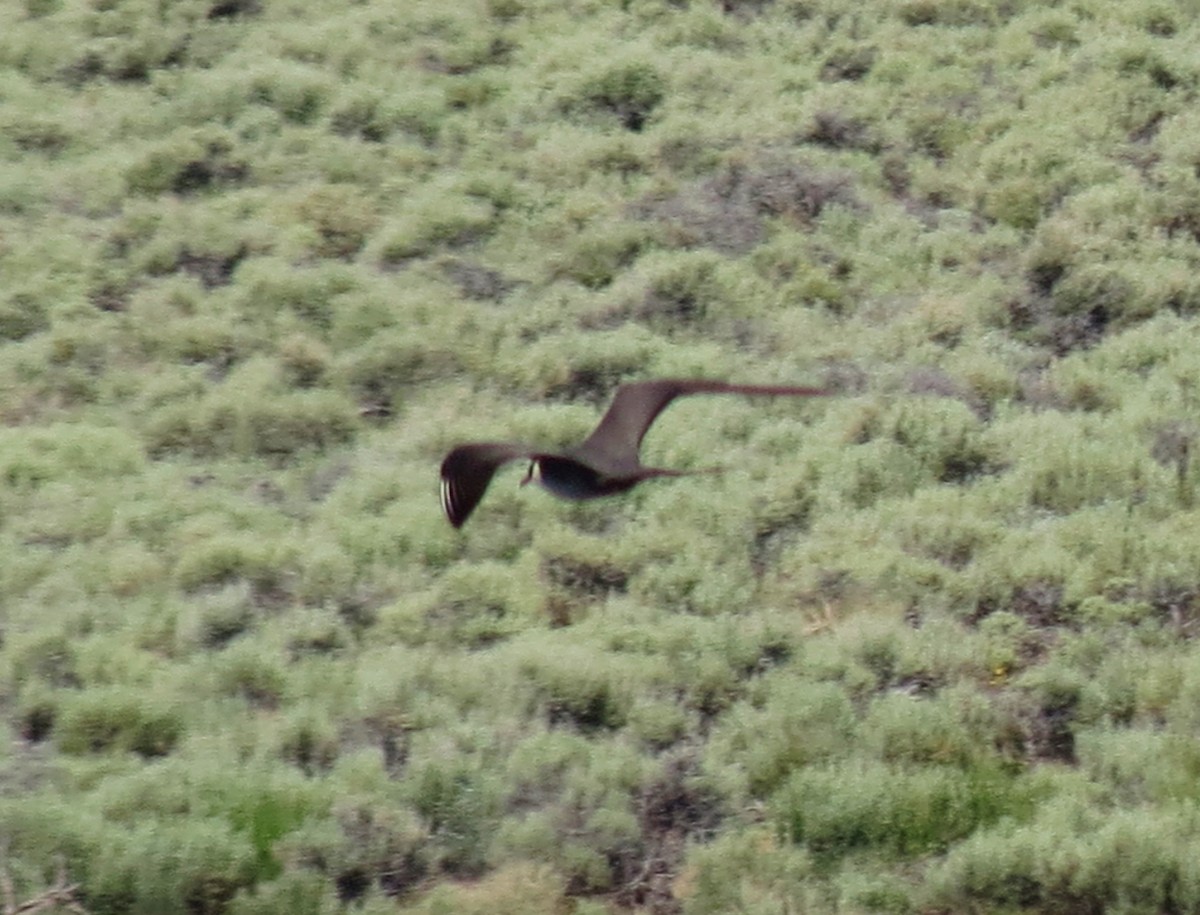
(924, 644)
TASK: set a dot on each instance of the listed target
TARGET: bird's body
(606, 463)
(569, 478)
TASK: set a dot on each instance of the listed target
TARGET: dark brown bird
(604, 464)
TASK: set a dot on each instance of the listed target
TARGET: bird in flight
(604, 464)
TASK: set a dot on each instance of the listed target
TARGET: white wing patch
(447, 498)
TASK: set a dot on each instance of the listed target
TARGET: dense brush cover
(926, 645)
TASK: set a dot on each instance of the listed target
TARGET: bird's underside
(605, 463)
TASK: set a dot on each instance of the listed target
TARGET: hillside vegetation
(929, 645)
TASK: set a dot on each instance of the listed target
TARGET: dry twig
(61, 895)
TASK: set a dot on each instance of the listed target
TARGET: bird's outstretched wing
(466, 472)
(637, 405)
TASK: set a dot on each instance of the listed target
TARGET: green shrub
(907, 730)
(223, 560)
(305, 362)
(365, 845)
(518, 889)
(363, 113)
(297, 92)
(945, 524)
(431, 221)
(596, 257)
(221, 613)
(1136, 860)
(252, 673)
(682, 293)
(747, 870)
(274, 426)
(36, 712)
(927, 644)
(945, 436)
(269, 289)
(21, 315)
(195, 866)
(574, 691)
(467, 610)
(186, 163)
(876, 470)
(1019, 202)
(309, 742)
(876, 893)
(379, 371)
(67, 517)
(799, 724)
(117, 718)
(298, 892)
(204, 339)
(958, 12)
(342, 217)
(43, 655)
(458, 804)
(537, 769)
(328, 577)
(627, 91)
(1142, 767)
(298, 421)
(597, 814)
(834, 810)
(420, 114)
(659, 723)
